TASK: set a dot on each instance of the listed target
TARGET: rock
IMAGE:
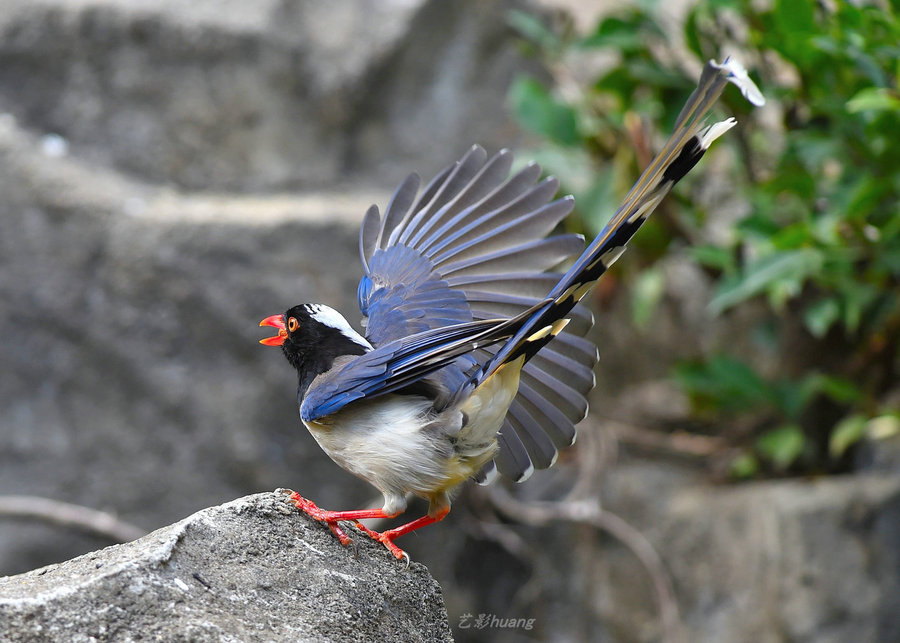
(250, 570)
(799, 560)
(251, 95)
(132, 379)
(132, 282)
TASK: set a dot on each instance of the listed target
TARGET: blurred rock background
(173, 172)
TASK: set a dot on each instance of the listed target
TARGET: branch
(588, 512)
(64, 514)
(679, 443)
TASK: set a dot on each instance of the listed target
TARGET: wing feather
(540, 449)
(492, 174)
(503, 194)
(472, 249)
(398, 207)
(508, 230)
(481, 222)
(462, 174)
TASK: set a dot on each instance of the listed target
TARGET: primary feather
(458, 297)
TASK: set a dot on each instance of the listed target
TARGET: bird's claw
(331, 519)
(313, 511)
(386, 538)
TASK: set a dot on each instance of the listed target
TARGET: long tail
(679, 155)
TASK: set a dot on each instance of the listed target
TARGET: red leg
(387, 537)
(331, 518)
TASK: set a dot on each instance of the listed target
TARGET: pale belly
(397, 444)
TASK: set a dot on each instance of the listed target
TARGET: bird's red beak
(275, 321)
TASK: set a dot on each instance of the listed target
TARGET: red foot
(331, 518)
(387, 537)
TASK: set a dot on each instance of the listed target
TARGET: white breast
(392, 442)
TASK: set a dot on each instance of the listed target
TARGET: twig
(680, 443)
(64, 514)
(516, 546)
(589, 512)
(598, 450)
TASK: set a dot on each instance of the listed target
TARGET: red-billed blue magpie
(474, 359)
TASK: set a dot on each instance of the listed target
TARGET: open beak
(275, 321)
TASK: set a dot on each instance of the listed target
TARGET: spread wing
(471, 221)
(474, 246)
(453, 273)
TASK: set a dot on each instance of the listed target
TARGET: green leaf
(537, 110)
(782, 446)
(781, 272)
(625, 36)
(714, 257)
(531, 28)
(646, 292)
(691, 32)
(821, 315)
(878, 99)
(883, 426)
(725, 384)
(837, 388)
(791, 397)
(856, 301)
(846, 433)
(744, 466)
(795, 23)
(598, 201)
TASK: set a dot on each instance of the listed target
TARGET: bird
(474, 361)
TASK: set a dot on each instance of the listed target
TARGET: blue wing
(402, 362)
(449, 274)
(469, 221)
(455, 284)
(474, 246)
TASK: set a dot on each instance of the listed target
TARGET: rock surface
(797, 560)
(251, 570)
(132, 379)
(251, 95)
(134, 268)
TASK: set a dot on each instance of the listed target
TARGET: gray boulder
(251, 95)
(250, 570)
(132, 380)
(131, 281)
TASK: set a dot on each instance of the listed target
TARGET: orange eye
(293, 324)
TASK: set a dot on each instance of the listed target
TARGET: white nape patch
(714, 131)
(332, 318)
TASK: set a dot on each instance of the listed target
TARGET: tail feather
(678, 156)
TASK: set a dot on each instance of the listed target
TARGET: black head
(311, 337)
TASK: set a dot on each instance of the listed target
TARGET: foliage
(820, 242)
